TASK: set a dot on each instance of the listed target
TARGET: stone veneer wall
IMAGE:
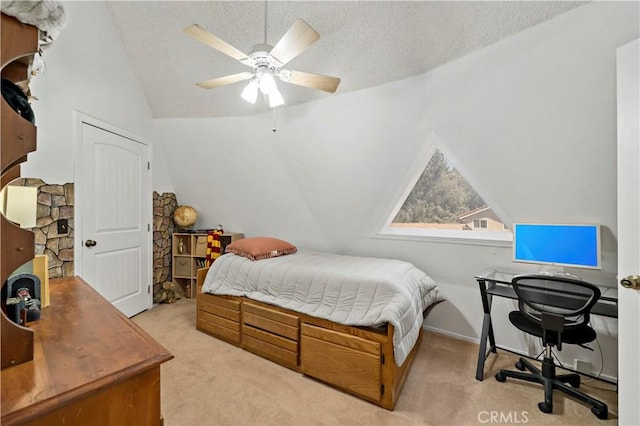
(54, 202)
(163, 207)
(57, 202)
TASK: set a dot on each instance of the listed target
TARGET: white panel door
(628, 90)
(115, 202)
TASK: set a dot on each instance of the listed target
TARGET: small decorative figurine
(169, 293)
(31, 305)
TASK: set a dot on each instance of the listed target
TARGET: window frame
(433, 144)
(480, 223)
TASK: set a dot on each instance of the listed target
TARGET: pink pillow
(257, 248)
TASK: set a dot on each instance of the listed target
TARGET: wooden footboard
(357, 360)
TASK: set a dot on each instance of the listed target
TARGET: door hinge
(382, 359)
(381, 389)
(148, 165)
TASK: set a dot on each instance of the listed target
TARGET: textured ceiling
(364, 43)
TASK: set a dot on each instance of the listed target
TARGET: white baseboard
(477, 342)
(450, 334)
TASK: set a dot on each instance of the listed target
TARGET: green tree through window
(440, 196)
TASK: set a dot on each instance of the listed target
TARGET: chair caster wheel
(544, 407)
(602, 414)
(520, 366)
(500, 377)
(575, 382)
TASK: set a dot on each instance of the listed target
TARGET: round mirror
(19, 201)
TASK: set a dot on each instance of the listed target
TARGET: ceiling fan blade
(297, 38)
(200, 34)
(223, 81)
(313, 81)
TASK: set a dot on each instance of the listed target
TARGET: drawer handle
(20, 248)
(21, 137)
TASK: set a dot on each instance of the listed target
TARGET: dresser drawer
(219, 327)
(279, 349)
(219, 306)
(271, 320)
(348, 362)
(220, 317)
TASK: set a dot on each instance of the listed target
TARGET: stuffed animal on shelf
(169, 293)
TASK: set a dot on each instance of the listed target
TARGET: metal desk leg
(492, 339)
(482, 353)
(487, 330)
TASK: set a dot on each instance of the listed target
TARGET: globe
(185, 216)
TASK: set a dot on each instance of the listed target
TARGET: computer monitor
(572, 245)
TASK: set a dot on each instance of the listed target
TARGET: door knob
(632, 281)
(90, 243)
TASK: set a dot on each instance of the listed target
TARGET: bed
(352, 322)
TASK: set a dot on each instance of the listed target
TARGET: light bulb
(275, 98)
(250, 93)
(267, 84)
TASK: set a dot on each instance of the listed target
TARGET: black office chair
(557, 310)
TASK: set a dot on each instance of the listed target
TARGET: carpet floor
(210, 382)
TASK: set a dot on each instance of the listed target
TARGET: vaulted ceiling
(364, 43)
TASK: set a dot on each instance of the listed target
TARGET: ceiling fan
(267, 63)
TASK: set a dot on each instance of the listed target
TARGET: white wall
(87, 70)
(532, 119)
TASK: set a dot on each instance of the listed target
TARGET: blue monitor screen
(564, 245)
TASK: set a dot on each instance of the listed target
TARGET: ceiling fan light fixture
(250, 93)
(267, 62)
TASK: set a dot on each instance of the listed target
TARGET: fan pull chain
(275, 129)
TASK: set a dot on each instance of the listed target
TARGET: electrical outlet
(582, 366)
(63, 226)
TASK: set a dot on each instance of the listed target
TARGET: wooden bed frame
(357, 360)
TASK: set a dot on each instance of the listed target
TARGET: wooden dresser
(91, 365)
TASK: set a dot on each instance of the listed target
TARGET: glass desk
(496, 283)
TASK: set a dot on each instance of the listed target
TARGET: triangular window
(442, 200)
